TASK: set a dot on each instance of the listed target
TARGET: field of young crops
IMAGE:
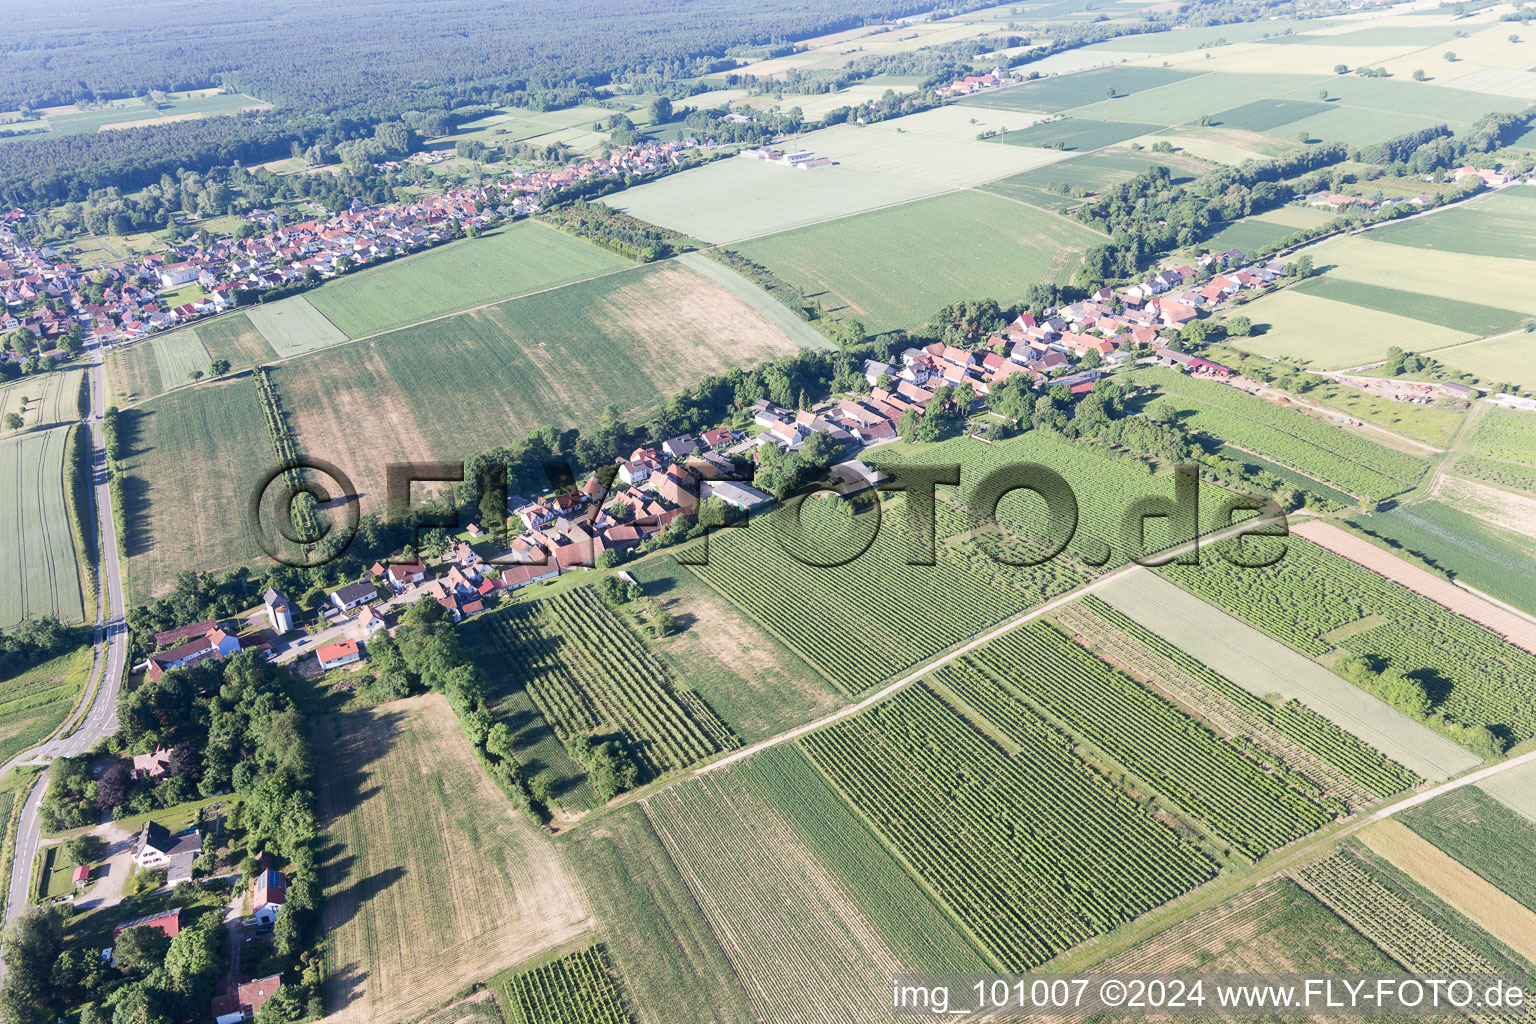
(857, 623)
(578, 988)
(590, 674)
(1472, 676)
(1033, 851)
(1480, 833)
(37, 553)
(1290, 735)
(1317, 448)
(1037, 671)
(1400, 929)
(812, 912)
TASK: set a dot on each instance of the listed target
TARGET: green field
(124, 112)
(1503, 224)
(1515, 789)
(157, 364)
(1075, 133)
(651, 925)
(33, 702)
(1503, 450)
(1507, 359)
(293, 327)
(1093, 172)
(42, 399)
(37, 553)
(1051, 95)
(1032, 850)
(1495, 561)
(192, 459)
(1264, 668)
(235, 338)
(895, 268)
(1314, 446)
(465, 384)
(1481, 833)
(1264, 115)
(754, 842)
(1470, 317)
(505, 263)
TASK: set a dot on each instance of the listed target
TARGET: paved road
(98, 717)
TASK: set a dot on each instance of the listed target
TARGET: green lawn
(511, 261)
(895, 268)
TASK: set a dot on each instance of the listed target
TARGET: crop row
(1475, 677)
(800, 943)
(1506, 435)
(1396, 927)
(589, 674)
(1315, 447)
(860, 622)
(1033, 852)
(576, 989)
(1494, 471)
(1038, 669)
(1301, 739)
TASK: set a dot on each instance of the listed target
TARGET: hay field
(191, 459)
(431, 880)
(512, 261)
(456, 386)
(293, 327)
(1264, 666)
(37, 553)
(235, 338)
(895, 268)
(1511, 358)
(1502, 224)
(155, 365)
(42, 400)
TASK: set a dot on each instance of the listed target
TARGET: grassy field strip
(772, 310)
(1515, 789)
(37, 552)
(1264, 666)
(434, 882)
(1514, 628)
(1492, 910)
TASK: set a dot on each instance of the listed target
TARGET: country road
(98, 716)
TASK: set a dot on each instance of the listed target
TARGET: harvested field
(37, 553)
(1514, 628)
(1264, 666)
(293, 327)
(505, 263)
(235, 338)
(1495, 912)
(433, 881)
(458, 386)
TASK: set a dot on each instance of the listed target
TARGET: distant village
(49, 296)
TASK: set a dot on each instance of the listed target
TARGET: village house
(215, 644)
(156, 849)
(152, 765)
(167, 921)
(240, 1001)
(268, 892)
(342, 652)
(353, 594)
